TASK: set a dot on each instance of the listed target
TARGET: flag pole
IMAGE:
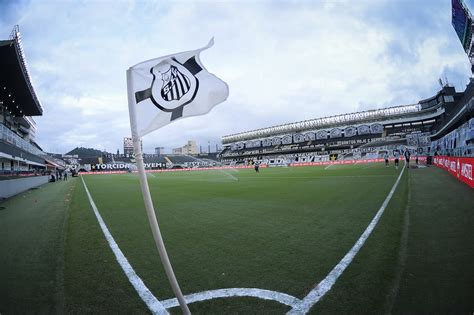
(147, 199)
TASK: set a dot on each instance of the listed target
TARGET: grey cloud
(283, 61)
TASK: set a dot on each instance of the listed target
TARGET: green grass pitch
(282, 229)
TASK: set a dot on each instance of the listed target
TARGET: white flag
(172, 87)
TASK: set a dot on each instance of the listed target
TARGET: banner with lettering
(459, 167)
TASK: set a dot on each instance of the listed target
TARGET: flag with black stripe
(172, 87)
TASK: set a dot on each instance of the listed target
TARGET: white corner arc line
(298, 306)
(282, 298)
(326, 284)
(145, 294)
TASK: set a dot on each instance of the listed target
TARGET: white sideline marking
(328, 166)
(233, 292)
(298, 306)
(150, 300)
(229, 175)
(258, 177)
(317, 176)
(369, 165)
(326, 284)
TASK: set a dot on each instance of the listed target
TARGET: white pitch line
(326, 284)
(150, 300)
(317, 176)
(229, 175)
(282, 298)
(298, 306)
(369, 165)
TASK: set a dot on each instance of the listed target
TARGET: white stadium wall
(11, 187)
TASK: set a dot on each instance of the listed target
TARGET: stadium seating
(182, 159)
(155, 159)
(365, 134)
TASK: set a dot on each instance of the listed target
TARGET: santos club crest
(174, 86)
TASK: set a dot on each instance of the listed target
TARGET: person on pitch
(385, 156)
(396, 155)
(407, 158)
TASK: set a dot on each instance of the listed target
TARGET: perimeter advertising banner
(460, 167)
(177, 169)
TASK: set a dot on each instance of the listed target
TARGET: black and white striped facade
(348, 130)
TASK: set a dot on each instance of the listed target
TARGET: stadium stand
(181, 159)
(421, 128)
(155, 159)
(20, 155)
(104, 161)
(360, 135)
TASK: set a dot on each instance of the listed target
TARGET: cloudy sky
(284, 61)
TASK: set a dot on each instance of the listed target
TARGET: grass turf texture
(438, 274)
(283, 229)
(31, 249)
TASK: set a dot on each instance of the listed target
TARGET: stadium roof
(16, 90)
(323, 122)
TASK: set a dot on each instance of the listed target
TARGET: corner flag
(172, 87)
(160, 91)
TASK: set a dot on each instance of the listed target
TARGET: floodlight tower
(462, 22)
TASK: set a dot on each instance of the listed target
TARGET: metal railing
(10, 137)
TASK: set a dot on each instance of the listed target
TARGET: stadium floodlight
(15, 36)
(462, 22)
